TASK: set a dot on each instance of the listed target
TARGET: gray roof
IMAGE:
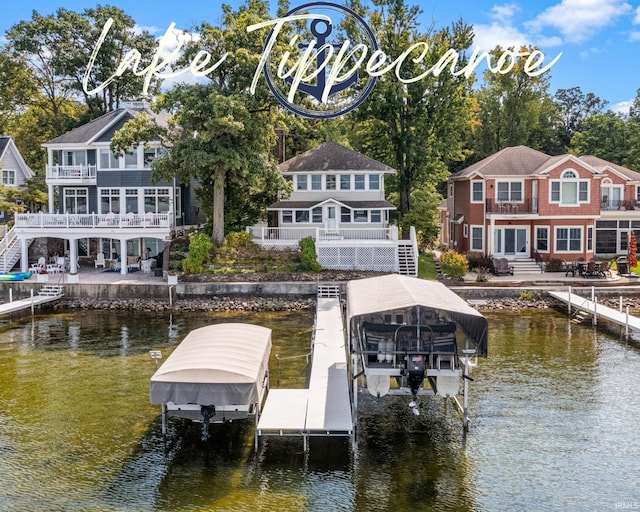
(88, 132)
(4, 142)
(355, 205)
(524, 161)
(332, 156)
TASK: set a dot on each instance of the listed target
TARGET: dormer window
(569, 190)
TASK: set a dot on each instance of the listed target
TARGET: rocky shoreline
(258, 304)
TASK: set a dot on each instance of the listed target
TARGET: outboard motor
(415, 373)
(207, 411)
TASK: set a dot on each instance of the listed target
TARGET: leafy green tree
(416, 127)
(57, 49)
(16, 87)
(514, 109)
(610, 137)
(575, 107)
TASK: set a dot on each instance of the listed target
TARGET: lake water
(555, 426)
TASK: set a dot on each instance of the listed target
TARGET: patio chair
(605, 269)
(58, 267)
(501, 266)
(590, 270)
(569, 267)
(37, 267)
(99, 261)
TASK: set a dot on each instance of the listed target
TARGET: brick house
(520, 201)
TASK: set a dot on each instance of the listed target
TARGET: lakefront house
(522, 204)
(103, 207)
(338, 199)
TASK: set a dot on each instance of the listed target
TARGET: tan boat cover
(221, 364)
(393, 291)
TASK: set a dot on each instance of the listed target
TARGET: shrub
(200, 247)
(237, 240)
(308, 257)
(477, 260)
(454, 265)
(554, 265)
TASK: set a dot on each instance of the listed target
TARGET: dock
(48, 293)
(590, 307)
(324, 409)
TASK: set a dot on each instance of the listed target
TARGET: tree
(221, 135)
(16, 87)
(608, 136)
(57, 49)
(575, 107)
(514, 109)
(417, 127)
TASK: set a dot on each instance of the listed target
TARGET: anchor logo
(317, 90)
(322, 83)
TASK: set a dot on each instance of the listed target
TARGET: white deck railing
(91, 220)
(71, 172)
(291, 235)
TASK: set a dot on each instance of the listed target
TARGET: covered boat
(14, 276)
(405, 335)
(218, 373)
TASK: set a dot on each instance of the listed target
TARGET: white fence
(91, 220)
(290, 236)
(379, 258)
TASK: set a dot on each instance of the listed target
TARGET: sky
(598, 38)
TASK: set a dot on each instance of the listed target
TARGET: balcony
(290, 236)
(71, 174)
(618, 204)
(527, 206)
(93, 224)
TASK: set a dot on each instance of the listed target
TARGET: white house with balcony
(338, 198)
(101, 204)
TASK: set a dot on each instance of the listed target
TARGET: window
(359, 181)
(287, 216)
(316, 215)
(156, 200)
(8, 177)
(360, 216)
(288, 177)
(477, 238)
(131, 159)
(150, 155)
(108, 160)
(330, 183)
(568, 239)
(76, 158)
(302, 216)
(345, 214)
(110, 200)
(477, 191)
(589, 239)
(316, 182)
(510, 191)
(465, 231)
(542, 239)
(131, 200)
(75, 200)
(374, 182)
(569, 190)
(376, 215)
(345, 182)
(301, 182)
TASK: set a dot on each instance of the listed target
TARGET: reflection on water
(555, 415)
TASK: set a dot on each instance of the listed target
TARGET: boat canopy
(221, 364)
(393, 291)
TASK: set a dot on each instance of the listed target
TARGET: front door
(330, 219)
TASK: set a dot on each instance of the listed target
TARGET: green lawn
(427, 267)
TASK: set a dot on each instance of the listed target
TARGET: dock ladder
(328, 291)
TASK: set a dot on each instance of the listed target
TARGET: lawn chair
(36, 268)
(501, 267)
(99, 261)
(605, 269)
(58, 267)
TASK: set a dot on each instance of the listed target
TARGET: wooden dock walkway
(48, 293)
(595, 310)
(324, 409)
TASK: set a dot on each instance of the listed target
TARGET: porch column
(489, 248)
(24, 255)
(123, 256)
(51, 198)
(73, 256)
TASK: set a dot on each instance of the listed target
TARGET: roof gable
(604, 165)
(332, 156)
(10, 156)
(512, 161)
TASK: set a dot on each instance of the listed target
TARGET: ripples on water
(555, 419)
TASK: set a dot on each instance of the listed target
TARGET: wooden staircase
(51, 290)
(407, 263)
